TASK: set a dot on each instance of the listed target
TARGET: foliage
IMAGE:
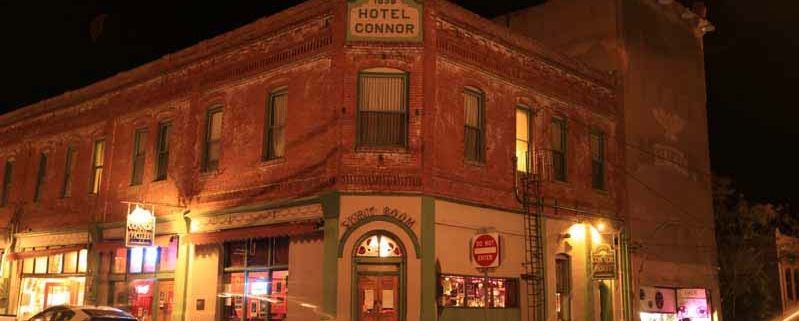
(747, 253)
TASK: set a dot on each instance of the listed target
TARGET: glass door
(378, 297)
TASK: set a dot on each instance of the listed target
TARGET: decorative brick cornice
(264, 217)
(517, 65)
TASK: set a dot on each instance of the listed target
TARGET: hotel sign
(140, 228)
(603, 262)
(384, 20)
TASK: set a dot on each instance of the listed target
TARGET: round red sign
(485, 250)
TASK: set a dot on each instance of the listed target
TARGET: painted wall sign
(603, 262)
(657, 300)
(384, 20)
(368, 212)
(140, 228)
(485, 250)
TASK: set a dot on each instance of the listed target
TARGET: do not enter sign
(485, 250)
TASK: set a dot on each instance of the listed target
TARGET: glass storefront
(255, 281)
(51, 280)
(141, 279)
(477, 292)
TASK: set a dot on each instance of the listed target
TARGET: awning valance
(45, 252)
(112, 245)
(286, 229)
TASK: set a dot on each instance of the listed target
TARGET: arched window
(378, 245)
(382, 107)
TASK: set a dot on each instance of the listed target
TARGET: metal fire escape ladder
(527, 188)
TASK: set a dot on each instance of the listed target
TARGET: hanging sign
(384, 20)
(140, 228)
(603, 262)
(485, 250)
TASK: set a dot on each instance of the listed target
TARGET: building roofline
(204, 49)
(529, 45)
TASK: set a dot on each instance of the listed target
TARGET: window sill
(382, 149)
(474, 163)
(272, 161)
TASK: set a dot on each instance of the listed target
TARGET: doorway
(378, 278)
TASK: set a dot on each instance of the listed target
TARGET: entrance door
(378, 297)
(165, 299)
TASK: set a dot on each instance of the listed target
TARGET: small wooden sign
(384, 20)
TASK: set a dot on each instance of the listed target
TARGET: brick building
(332, 161)
(656, 50)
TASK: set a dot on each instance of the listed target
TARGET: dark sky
(752, 65)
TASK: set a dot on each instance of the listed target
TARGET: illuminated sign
(384, 20)
(140, 228)
(603, 262)
(692, 304)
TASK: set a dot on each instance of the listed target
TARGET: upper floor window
(98, 161)
(139, 156)
(382, 107)
(213, 139)
(559, 137)
(40, 176)
(274, 136)
(69, 167)
(474, 125)
(598, 160)
(523, 134)
(162, 150)
(7, 173)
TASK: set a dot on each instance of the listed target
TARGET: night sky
(752, 68)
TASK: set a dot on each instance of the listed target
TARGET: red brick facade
(304, 50)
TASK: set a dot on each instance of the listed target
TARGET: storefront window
(38, 292)
(169, 256)
(136, 259)
(477, 292)
(71, 262)
(83, 260)
(255, 280)
(120, 260)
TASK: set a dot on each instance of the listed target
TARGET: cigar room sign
(384, 20)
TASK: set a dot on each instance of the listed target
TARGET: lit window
(382, 107)
(477, 292)
(523, 157)
(120, 260)
(169, 255)
(379, 246)
(55, 264)
(40, 265)
(71, 262)
(150, 259)
(136, 259)
(82, 260)
(98, 160)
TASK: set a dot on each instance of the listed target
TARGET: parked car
(82, 313)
